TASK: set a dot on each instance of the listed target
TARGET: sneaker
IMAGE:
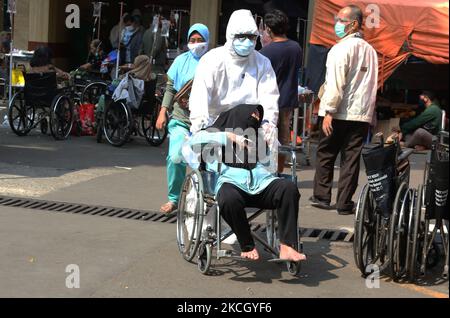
(321, 204)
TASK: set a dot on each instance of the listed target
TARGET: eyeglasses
(337, 19)
(242, 37)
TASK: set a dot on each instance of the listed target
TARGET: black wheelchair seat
(40, 88)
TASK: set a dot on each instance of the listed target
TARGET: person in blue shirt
(180, 74)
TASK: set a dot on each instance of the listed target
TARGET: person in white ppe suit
(226, 79)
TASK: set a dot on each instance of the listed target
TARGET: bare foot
(168, 208)
(253, 255)
(288, 253)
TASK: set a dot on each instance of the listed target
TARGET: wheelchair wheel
(61, 117)
(20, 116)
(398, 232)
(154, 136)
(117, 124)
(415, 236)
(204, 258)
(190, 216)
(366, 232)
(92, 93)
(294, 268)
(44, 126)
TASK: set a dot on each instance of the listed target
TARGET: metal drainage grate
(320, 234)
(82, 209)
(149, 216)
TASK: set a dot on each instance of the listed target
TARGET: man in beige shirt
(347, 108)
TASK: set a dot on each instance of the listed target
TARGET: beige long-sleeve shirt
(351, 84)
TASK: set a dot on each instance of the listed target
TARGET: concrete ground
(122, 258)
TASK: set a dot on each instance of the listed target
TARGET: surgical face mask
(244, 47)
(339, 29)
(129, 28)
(198, 49)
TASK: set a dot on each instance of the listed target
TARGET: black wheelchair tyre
(398, 232)
(44, 126)
(92, 93)
(19, 115)
(153, 136)
(61, 117)
(117, 123)
(189, 249)
(415, 236)
(99, 135)
(365, 241)
(204, 258)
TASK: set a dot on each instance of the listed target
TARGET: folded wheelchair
(121, 121)
(200, 232)
(42, 104)
(430, 217)
(383, 211)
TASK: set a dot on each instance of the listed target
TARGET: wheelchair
(42, 104)
(200, 233)
(430, 213)
(381, 222)
(120, 121)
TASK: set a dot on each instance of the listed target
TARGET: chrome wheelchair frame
(205, 238)
(423, 250)
(379, 240)
(42, 97)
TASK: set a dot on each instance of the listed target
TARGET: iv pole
(12, 11)
(120, 38)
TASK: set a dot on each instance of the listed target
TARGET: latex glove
(271, 135)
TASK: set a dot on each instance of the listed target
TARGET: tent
(407, 28)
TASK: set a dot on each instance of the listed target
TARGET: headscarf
(184, 67)
(142, 68)
(241, 22)
(240, 117)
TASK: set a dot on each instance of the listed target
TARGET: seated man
(95, 58)
(418, 133)
(245, 182)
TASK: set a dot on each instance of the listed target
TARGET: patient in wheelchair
(244, 180)
(42, 63)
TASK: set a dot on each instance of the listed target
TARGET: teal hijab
(184, 67)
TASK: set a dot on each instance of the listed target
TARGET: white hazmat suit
(224, 79)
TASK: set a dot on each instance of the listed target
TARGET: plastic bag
(87, 119)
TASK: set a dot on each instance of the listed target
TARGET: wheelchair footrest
(231, 255)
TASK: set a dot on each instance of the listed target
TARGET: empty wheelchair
(40, 103)
(200, 232)
(430, 215)
(121, 121)
(383, 211)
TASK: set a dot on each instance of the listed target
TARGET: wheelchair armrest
(405, 154)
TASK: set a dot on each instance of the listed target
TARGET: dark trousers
(347, 138)
(280, 195)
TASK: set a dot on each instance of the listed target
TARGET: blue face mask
(339, 29)
(244, 47)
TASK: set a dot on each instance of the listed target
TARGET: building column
(22, 24)
(207, 12)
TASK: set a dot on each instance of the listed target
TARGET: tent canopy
(407, 27)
